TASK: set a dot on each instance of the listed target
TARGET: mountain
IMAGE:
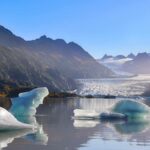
(139, 65)
(131, 55)
(115, 63)
(106, 57)
(132, 64)
(119, 57)
(46, 62)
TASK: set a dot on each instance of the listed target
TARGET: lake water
(60, 132)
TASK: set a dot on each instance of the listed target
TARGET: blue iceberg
(26, 103)
(132, 109)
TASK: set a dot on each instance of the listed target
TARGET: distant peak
(106, 56)
(60, 41)
(142, 55)
(131, 55)
(5, 30)
(73, 44)
(43, 37)
(120, 57)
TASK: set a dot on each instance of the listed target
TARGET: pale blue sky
(99, 26)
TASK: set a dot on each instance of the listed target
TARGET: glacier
(122, 86)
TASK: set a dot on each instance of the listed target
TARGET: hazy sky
(99, 26)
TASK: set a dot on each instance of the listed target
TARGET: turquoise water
(58, 131)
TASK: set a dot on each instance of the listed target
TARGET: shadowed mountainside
(139, 65)
(46, 62)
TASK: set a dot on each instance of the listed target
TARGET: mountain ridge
(135, 64)
(46, 62)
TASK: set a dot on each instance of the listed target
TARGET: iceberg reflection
(7, 137)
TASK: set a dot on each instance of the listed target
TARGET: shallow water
(59, 132)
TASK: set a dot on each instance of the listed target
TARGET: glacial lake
(60, 132)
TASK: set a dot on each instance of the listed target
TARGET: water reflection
(132, 127)
(85, 123)
(67, 134)
(131, 130)
(7, 137)
(37, 135)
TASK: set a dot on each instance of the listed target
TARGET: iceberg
(24, 109)
(124, 109)
(85, 114)
(131, 108)
(20, 121)
(26, 103)
(81, 114)
(9, 122)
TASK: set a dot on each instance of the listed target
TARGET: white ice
(9, 122)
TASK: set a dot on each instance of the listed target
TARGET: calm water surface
(59, 132)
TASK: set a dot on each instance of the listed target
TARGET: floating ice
(131, 108)
(121, 110)
(81, 114)
(26, 103)
(86, 114)
(24, 109)
(9, 122)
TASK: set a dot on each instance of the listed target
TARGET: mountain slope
(116, 63)
(134, 64)
(46, 62)
(139, 65)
